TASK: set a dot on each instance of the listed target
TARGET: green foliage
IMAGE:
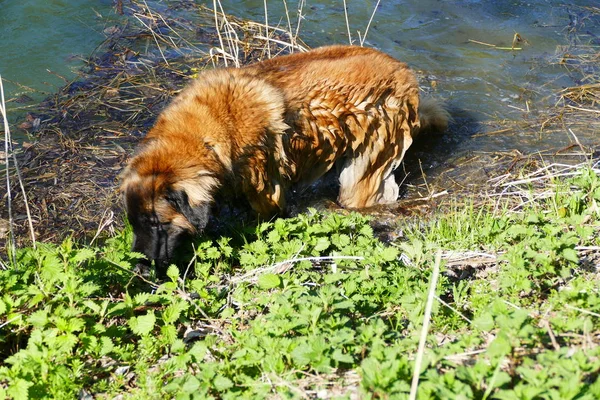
(318, 303)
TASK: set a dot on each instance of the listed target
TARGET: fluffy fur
(256, 130)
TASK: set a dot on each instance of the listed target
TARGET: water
(44, 43)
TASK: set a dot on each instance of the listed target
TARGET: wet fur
(257, 130)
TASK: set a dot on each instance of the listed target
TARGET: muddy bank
(84, 134)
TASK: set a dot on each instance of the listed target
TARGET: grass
(317, 307)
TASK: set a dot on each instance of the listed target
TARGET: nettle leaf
(2, 307)
(519, 230)
(51, 268)
(343, 305)
(222, 383)
(485, 322)
(269, 281)
(499, 347)
(341, 357)
(341, 241)
(83, 255)
(118, 309)
(389, 253)
(66, 342)
(273, 237)
(18, 389)
(173, 272)
(321, 245)
(198, 351)
(302, 354)
(169, 333)
(106, 345)
(226, 251)
(173, 311)
(367, 231)
(38, 319)
(191, 384)
(93, 306)
(88, 288)
(212, 253)
(142, 325)
(141, 298)
(570, 254)
(75, 325)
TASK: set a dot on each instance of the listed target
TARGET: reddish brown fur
(258, 129)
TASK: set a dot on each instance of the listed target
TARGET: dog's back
(346, 103)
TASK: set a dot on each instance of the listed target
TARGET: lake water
(44, 41)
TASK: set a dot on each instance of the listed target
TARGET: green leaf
(38, 319)
(343, 305)
(83, 255)
(142, 325)
(302, 354)
(485, 322)
(570, 255)
(341, 357)
(172, 312)
(198, 351)
(18, 389)
(389, 253)
(269, 281)
(191, 385)
(141, 298)
(106, 345)
(322, 244)
(222, 383)
(173, 272)
(169, 333)
(499, 347)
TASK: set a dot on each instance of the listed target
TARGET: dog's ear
(197, 215)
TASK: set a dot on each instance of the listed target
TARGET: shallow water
(44, 43)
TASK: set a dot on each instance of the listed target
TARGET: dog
(256, 130)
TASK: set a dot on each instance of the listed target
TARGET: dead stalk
(8, 148)
(347, 22)
(267, 28)
(364, 37)
(424, 330)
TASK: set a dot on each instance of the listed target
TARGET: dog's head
(166, 201)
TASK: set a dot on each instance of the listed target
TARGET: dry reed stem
(284, 266)
(364, 37)
(347, 22)
(8, 148)
(425, 328)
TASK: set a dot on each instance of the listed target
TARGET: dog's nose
(143, 268)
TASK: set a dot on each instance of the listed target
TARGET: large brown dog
(258, 129)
